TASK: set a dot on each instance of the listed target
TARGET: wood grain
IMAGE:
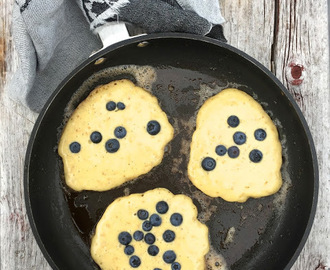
(19, 249)
(3, 30)
(303, 42)
(289, 37)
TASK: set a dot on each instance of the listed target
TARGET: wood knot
(295, 73)
(320, 267)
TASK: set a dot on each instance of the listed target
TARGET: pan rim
(157, 36)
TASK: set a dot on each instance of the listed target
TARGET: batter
(116, 134)
(235, 150)
(151, 230)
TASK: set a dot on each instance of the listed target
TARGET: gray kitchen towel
(52, 37)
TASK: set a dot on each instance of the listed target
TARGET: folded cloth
(53, 37)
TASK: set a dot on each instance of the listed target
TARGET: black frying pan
(269, 232)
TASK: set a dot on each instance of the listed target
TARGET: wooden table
(289, 37)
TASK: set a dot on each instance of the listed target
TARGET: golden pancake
(151, 230)
(116, 134)
(235, 150)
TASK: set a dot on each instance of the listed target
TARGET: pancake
(151, 230)
(116, 134)
(235, 151)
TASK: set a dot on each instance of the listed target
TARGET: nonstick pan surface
(266, 233)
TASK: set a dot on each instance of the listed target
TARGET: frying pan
(266, 233)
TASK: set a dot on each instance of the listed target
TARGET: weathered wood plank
(302, 64)
(19, 249)
(250, 27)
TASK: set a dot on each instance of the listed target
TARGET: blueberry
(169, 256)
(138, 235)
(112, 145)
(134, 261)
(255, 156)
(176, 219)
(121, 106)
(120, 132)
(155, 220)
(208, 164)
(96, 137)
(162, 207)
(239, 138)
(260, 134)
(176, 266)
(124, 238)
(153, 127)
(149, 238)
(233, 152)
(75, 147)
(168, 236)
(233, 121)
(221, 150)
(129, 250)
(153, 250)
(111, 106)
(142, 214)
(146, 226)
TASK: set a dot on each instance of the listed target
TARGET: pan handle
(114, 32)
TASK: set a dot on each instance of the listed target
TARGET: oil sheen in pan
(234, 227)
